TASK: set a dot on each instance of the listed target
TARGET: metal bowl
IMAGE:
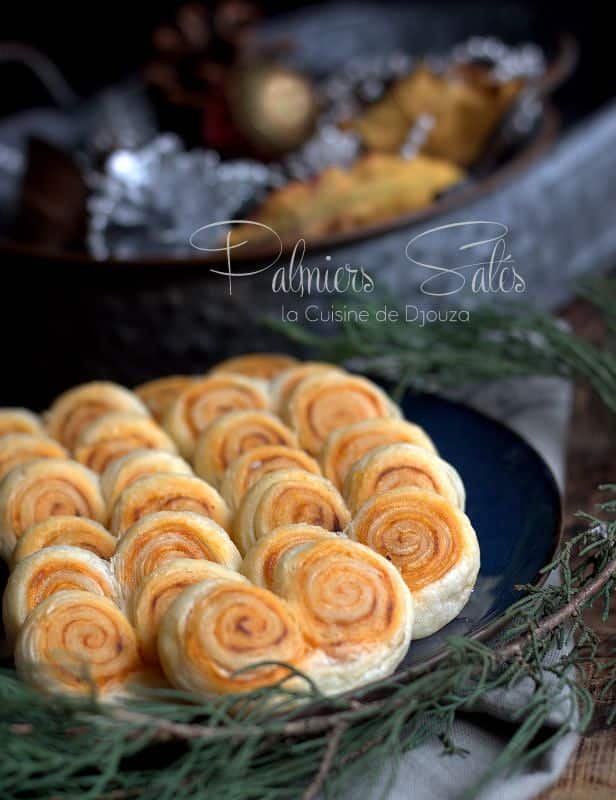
(68, 318)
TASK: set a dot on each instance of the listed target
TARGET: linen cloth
(539, 410)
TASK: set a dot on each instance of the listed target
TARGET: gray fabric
(538, 410)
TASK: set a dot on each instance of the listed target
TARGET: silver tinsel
(328, 147)
(361, 81)
(506, 63)
(151, 200)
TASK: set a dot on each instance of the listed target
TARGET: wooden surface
(591, 460)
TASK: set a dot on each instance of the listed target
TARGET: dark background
(55, 316)
(95, 43)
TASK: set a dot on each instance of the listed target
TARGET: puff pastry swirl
(216, 630)
(321, 404)
(44, 488)
(159, 394)
(262, 366)
(19, 448)
(51, 570)
(75, 643)
(167, 535)
(76, 408)
(168, 492)
(160, 588)
(345, 446)
(234, 434)
(206, 399)
(286, 497)
(76, 531)
(19, 420)
(433, 545)
(124, 471)
(246, 470)
(354, 609)
(286, 382)
(260, 562)
(116, 434)
(395, 466)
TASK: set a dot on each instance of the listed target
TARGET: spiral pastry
(284, 498)
(323, 403)
(19, 420)
(19, 448)
(75, 531)
(77, 643)
(232, 435)
(246, 470)
(168, 493)
(73, 410)
(260, 562)
(285, 384)
(45, 488)
(262, 366)
(207, 399)
(124, 471)
(353, 608)
(347, 445)
(216, 630)
(114, 435)
(159, 394)
(156, 593)
(167, 535)
(433, 545)
(51, 570)
(395, 466)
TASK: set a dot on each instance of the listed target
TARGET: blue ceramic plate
(511, 499)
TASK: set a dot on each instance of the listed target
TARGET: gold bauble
(274, 107)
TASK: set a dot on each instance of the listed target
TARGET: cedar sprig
(493, 344)
(169, 744)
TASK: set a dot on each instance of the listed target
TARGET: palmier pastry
(77, 643)
(353, 608)
(75, 531)
(214, 631)
(234, 434)
(394, 466)
(284, 498)
(168, 493)
(164, 536)
(156, 593)
(114, 435)
(260, 562)
(19, 420)
(284, 385)
(19, 448)
(124, 471)
(433, 545)
(323, 403)
(263, 366)
(51, 570)
(246, 470)
(207, 399)
(378, 187)
(45, 488)
(159, 394)
(347, 445)
(73, 410)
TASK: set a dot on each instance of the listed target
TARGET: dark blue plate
(513, 503)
